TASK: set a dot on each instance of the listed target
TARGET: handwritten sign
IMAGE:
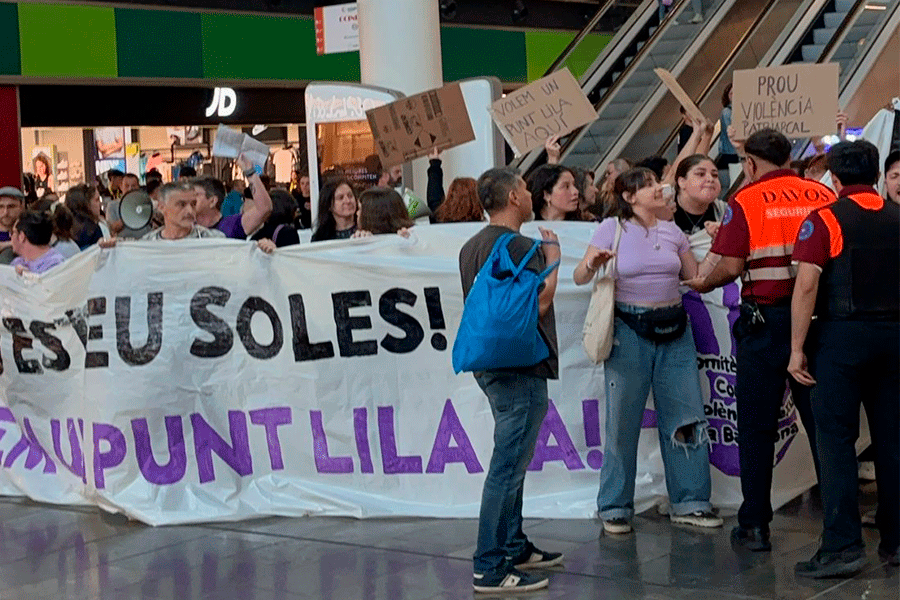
(554, 105)
(411, 127)
(800, 101)
(690, 108)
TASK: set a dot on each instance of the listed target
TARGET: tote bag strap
(610, 267)
(615, 259)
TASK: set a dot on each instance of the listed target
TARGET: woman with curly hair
(461, 204)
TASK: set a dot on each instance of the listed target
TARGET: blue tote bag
(499, 326)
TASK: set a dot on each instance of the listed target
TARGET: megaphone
(136, 209)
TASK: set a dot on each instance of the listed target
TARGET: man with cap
(12, 201)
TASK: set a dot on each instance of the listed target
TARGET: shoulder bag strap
(275, 235)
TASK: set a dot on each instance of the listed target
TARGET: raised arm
(689, 148)
(254, 218)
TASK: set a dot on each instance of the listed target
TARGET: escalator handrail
(585, 31)
(841, 31)
(626, 72)
(613, 51)
(828, 51)
(848, 76)
(738, 47)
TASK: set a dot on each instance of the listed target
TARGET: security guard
(849, 274)
(755, 240)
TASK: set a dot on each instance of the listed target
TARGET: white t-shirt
(284, 164)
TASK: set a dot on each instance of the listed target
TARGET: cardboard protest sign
(554, 105)
(799, 100)
(411, 127)
(683, 99)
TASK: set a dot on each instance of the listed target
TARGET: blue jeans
(519, 404)
(634, 367)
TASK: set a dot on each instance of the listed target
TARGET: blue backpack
(499, 326)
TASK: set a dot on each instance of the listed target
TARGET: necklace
(656, 245)
(695, 223)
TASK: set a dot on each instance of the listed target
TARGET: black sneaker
(533, 558)
(755, 539)
(510, 581)
(832, 564)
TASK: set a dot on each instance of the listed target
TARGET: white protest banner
(202, 380)
(798, 100)
(553, 105)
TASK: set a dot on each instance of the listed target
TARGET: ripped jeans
(634, 368)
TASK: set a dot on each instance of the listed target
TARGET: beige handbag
(597, 335)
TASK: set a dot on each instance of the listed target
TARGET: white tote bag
(597, 335)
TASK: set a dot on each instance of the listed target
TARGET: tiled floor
(83, 554)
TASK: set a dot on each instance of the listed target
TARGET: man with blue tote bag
(507, 338)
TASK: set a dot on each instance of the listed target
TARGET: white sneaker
(697, 18)
(867, 470)
(618, 526)
(700, 518)
(868, 519)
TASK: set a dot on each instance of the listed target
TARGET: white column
(400, 49)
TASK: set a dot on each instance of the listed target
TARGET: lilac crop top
(644, 274)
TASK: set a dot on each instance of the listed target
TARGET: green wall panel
(67, 40)
(60, 40)
(10, 55)
(544, 47)
(471, 52)
(158, 43)
(262, 47)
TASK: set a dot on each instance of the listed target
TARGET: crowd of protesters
(651, 215)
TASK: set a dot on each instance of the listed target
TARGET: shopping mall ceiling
(519, 14)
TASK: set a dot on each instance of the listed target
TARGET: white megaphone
(136, 209)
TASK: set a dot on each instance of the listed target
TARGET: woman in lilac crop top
(652, 257)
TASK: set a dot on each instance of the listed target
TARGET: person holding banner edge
(755, 241)
(518, 396)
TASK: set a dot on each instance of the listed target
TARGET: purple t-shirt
(47, 261)
(232, 227)
(648, 263)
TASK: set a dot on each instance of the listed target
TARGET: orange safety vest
(774, 208)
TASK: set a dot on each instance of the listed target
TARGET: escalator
(637, 116)
(621, 82)
(818, 31)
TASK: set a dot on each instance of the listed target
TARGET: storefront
(138, 128)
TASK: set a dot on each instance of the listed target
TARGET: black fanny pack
(657, 325)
